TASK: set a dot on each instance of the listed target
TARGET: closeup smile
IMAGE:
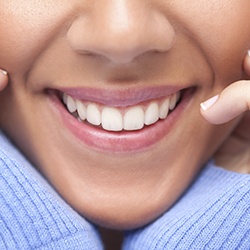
(129, 118)
(117, 124)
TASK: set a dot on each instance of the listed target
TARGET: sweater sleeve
(32, 215)
(213, 214)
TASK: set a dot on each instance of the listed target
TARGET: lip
(98, 139)
(119, 98)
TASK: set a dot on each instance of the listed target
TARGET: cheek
(222, 30)
(26, 28)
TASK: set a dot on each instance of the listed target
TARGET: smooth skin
(119, 45)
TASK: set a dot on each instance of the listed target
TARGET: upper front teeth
(134, 118)
(112, 119)
(115, 119)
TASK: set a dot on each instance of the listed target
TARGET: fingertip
(208, 115)
(231, 103)
(218, 109)
(209, 110)
(209, 103)
(3, 79)
(4, 72)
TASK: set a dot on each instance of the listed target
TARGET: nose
(121, 30)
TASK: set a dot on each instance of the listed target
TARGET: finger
(3, 79)
(233, 101)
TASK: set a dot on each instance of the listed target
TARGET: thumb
(3, 79)
(233, 101)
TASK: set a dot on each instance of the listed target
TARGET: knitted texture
(213, 214)
(32, 215)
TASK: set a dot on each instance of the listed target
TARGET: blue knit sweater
(32, 215)
(213, 214)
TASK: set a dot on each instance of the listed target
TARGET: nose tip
(121, 33)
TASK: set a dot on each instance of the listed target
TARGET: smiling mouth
(120, 122)
(116, 119)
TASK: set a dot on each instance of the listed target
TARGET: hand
(234, 154)
(234, 101)
(3, 79)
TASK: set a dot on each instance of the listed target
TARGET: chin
(123, 210)
(122, 217)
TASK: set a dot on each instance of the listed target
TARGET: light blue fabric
(32, 215)
(213, 214)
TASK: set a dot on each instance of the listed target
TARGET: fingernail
(209, 103)
(4, 72)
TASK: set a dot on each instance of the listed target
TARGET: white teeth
(114, 119)
(93, 114)
(134, 119)
(152, 114)
(81, 109)
(172, 102)
(71, 104)
(164, 109)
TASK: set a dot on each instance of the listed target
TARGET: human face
(130, 56)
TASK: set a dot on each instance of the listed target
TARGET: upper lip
(121, 98)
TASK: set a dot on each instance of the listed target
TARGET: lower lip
(120, 142)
